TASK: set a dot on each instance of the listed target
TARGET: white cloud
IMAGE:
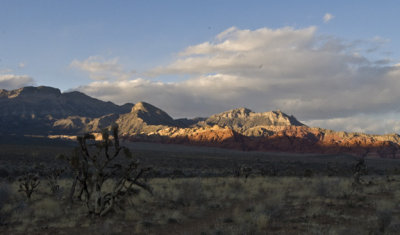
(12, 81)
(21, 65)
(295, 70)
(240, 49)
(100, 68)
(328, 17)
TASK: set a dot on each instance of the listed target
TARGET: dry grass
(225, 205)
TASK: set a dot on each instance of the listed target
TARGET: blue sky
(101, 47)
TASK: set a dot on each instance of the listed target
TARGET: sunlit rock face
(243, 119)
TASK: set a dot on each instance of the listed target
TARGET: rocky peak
(142, 107)
(278, 118)
(243, 118)
(41, 91)
(36, 104)
(75, 95)
(127, 106)
(236, 113)
(151, 114)
(3, 92)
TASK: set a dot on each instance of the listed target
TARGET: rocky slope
(47, 111)
(243, 129)
(297, 139)
(144, 118)
(242, 119)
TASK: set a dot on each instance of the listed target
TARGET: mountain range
(47, 111)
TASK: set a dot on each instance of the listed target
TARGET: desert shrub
(5, 193)
(177, 174)
(396, 171)
(47, 208)
(190, 193)
(4, 173)
(235, 187)
(332, 169)
(384, 214)
(242, 171)
(308, 173)
(28, 184)
(262, 221)
(322, 189)
(53, 175)
(384, 218)
(269, 170)
(359, 169)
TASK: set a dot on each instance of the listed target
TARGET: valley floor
(194, 192)
(218, 205)
(170, 160)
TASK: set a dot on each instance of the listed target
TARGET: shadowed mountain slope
(33, 110)
(32, 102)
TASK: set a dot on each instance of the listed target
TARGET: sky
(331, 64)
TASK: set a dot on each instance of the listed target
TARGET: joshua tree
(359, 170)
(53, 175)
(95, 162)
(28, 184)
(244, 171)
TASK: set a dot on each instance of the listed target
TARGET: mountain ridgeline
(37, 110)
(39, 102)
(46, 111)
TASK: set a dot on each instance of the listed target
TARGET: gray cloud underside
(315, 78)
(12, 81)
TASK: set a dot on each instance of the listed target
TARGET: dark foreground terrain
(17, 155)
(199, 190)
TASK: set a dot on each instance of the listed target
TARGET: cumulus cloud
(328, 17)
(298, 71)
(100, 68)
(361, 123)
(12, 81)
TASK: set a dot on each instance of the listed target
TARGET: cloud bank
(100, 68)
(319, 79)
(12, 81)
